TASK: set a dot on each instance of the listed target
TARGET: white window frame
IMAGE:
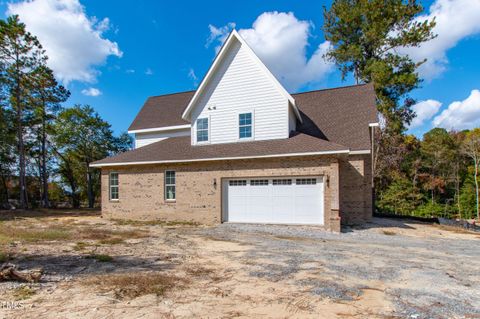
(110, 186)
(253, 125)
(208, 130)
(166, 185)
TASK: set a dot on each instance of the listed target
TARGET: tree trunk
(91, 198)
(44, 174)
(6, 195)
(21, 151)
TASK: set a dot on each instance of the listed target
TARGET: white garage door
(289, 200)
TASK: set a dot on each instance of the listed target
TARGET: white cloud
(461, 115)
(424, 111)
(281, 41)
(73, 41)
(193, 76)
(219, 34)
(149, 71)
(91, 92)
(130, 71)
(455, 20)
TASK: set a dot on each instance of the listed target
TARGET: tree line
(433, 176)
(45, 148)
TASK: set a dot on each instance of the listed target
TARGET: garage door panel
(279, 200)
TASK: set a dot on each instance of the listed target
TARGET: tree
(437, 154)
(21, 54)
(401, 197)
(46, 98)
(365, 36)
(82, 137)
(7, 154)
(471, 147)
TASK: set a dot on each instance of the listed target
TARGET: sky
(113, 55)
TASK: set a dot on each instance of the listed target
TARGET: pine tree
(21, 54)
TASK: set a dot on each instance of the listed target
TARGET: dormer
(239, 100)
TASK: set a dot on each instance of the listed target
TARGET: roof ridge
(335, 88)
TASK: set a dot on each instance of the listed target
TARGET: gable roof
(340, 114)
(335, 121)
(234, 36)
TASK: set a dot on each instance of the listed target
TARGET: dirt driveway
(95, 268)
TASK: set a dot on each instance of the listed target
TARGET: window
(245, 125)
(170, 185)
(202, 130)
(113, 185)
(237, 183)
(259, 182)
(306, 181)
(282, 182)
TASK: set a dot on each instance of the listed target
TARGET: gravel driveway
(385, 269)
(428, 275)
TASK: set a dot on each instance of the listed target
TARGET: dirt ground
(98, 268)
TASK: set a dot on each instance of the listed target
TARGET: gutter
(347, 151)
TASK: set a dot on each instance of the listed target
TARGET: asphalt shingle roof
(333, 120)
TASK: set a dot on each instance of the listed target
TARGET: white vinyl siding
(240, 85)
(143, 139)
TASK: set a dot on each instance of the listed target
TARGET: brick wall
(199, 199)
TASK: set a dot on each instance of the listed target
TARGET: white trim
(160, 129)
(234, 35)
(110, 187)
(222, 158)
(373, 124)
(359, 152)
(165, 185)
(196, 142)
(245, 139)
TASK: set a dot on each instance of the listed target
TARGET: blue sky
(125, 53)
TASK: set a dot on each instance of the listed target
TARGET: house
(242, 149)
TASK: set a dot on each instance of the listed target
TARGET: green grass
(12, 232)
(130, 222)
(23, 292)
(101, 257)
(111, 241)
(4, 257)
(79, 246)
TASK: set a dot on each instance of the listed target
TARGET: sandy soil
(388, 269)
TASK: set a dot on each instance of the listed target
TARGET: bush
(430, 209)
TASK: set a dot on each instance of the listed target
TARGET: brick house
(242, 149)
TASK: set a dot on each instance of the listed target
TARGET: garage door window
(282, 182)
(238, 183)
(306, 181)
(259, 182)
